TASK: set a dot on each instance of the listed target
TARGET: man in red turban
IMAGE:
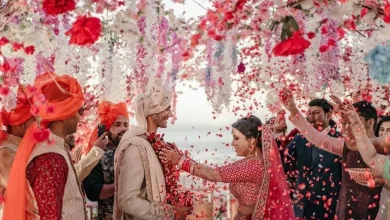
(99, 184)
(42, 162)
(16, 121)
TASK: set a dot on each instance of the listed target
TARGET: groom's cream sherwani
(139, 180)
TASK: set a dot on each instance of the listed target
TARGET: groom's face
(161, 118)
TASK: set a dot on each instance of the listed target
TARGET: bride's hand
(172, 156)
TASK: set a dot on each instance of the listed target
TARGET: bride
(257, 181)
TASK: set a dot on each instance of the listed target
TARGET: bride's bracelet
(187, 164)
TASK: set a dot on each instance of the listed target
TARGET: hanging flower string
(171, 173)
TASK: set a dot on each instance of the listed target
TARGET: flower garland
(171, 174)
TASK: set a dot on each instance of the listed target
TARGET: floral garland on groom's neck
(171, 174)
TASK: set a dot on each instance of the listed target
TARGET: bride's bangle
(186, 166)
(180, 164)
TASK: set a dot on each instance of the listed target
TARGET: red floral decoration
(41, 135)
(85, 31)
(56, 7)
(386, 10)
(171, 173)
(29, 50)
(293, 45)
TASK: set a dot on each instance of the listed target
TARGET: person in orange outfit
(99, 184)
(42, 162)
(16, 121)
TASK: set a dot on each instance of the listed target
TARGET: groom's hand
(181, 212)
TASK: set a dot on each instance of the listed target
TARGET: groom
(139, 180)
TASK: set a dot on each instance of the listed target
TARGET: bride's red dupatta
(274, 200)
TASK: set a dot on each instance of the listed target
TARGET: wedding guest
(44, 164)
(99, 184)
(317, 172)
(84, 166)
(17, 121)
(356, 201)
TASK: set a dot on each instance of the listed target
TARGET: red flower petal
(350, 24)
(386, 9)
(55, 7)
(195, 39)
(3, 41)
(311, 35)
(323, 48)
(5, 67)
(4, 91)
(29, 50)
(386, 19)
(85, 31)
(331, 42)
(341, 33)
(17, 46)
(363, 12)
(241, 67)
(41, 135)
(324, 30)
(294, 45)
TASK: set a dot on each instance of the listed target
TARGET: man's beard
(115, 140)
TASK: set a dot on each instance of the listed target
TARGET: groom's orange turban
(108, 113)
(64, 98)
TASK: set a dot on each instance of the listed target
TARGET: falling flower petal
(241, 67)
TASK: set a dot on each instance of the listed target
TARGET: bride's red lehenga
(260, 183)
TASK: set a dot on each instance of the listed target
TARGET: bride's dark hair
(250, 128)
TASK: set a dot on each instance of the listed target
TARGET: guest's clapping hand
(172, 156)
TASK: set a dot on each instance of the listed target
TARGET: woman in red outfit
(257, 181)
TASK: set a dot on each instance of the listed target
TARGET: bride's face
(240, 143)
